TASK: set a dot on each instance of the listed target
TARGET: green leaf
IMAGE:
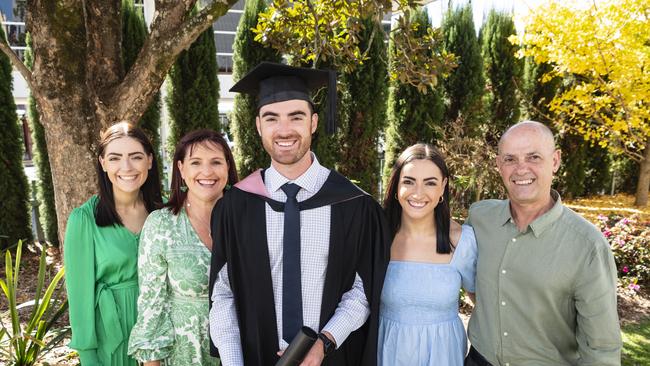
(46, 300)
(42, 265)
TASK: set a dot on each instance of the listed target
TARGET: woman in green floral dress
(174, 257)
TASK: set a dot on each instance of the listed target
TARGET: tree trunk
(78, 81)
(643, 184)
(71, 147)
(60, 89)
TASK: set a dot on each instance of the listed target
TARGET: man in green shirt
(546, 277)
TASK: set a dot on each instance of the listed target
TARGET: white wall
(21, 91)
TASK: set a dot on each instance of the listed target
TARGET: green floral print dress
(173, 270)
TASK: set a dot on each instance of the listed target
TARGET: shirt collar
(307, 181)
(540, 224)
(548, 219)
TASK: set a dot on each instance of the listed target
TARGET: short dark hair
(105, 212)
(186, 145)
(442, 215)
(312, 108)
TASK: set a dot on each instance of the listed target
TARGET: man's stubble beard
(284, 159)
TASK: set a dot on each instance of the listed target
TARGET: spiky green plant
(25, 341)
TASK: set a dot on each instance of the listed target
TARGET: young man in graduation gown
(296, 244)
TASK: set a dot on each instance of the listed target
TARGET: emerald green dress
(102, 283)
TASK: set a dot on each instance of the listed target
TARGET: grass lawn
(636, 344)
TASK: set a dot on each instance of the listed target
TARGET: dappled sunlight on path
(620, 204)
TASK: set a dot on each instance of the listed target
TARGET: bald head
(533, 130)
(527, 161)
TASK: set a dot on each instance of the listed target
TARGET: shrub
(630, 243)
(470, 160)
(26, 340)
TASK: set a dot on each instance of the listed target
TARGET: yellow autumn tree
(605, 44)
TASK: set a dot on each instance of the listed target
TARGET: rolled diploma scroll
(297, 350)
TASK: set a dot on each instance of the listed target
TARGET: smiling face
(205, 172)
(421, 184)
(126, 164)
(527, 161)
(286, 129)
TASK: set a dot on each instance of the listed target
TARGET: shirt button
(503, 303)
(507, 364)
(514, 240)
(505, 334)
(503, 271)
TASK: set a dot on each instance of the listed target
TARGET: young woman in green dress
(175, 253)
(101, 247)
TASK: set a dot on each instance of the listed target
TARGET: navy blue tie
(291, 284)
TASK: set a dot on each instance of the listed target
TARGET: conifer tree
(539, 93)
(503, 71)
(465, 85)
(249, 153)
(14, 191)
(366, 112)
(45, 192)
(412, 116)
(134, 32)
(586, 169)
(328, 147)
(193, 99)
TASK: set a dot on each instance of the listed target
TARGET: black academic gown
(359, 243)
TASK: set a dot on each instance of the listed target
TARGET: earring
(441, 199)
(183, 186)
(396, 199)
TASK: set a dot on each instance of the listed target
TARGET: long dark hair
(185, 146)
(105, 212)
(442, 214)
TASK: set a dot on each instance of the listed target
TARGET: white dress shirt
(353, 309)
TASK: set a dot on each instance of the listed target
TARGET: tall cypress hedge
(249, 153)
(503, 71)
(366, 112)
(412, 116)
(465, 85)
(14, 191)
(45, 186)
(193, 98)
(539, 94)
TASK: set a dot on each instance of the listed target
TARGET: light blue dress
(418, 318)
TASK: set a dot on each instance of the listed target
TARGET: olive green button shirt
(545, 296)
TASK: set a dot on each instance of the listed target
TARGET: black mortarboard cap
(272, 83)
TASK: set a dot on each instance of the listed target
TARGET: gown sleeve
(152, 337)
(466, 262)
(79, 261)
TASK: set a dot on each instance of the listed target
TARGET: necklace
(195, 219)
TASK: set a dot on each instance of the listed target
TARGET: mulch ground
(28, 277)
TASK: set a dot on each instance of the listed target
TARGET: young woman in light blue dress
(431, 258)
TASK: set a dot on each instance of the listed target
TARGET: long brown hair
(105, 212)
(185, 146)
(442, 215)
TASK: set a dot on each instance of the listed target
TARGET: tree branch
(19, 65)
(103, 21)
(169, 36)
(317, 35)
